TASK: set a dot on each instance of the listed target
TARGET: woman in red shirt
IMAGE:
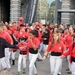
(71, 52)
(56, 48)
(33, 44)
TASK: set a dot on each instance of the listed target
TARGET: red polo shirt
(35, 41)
(69, 39)
(6, 36)
(13, 29)
(57, 47)
(8, 31)
(70, 52)
(22, 45)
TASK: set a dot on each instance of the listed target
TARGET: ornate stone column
(65, 16)
(15, 10)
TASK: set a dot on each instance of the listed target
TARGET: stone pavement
(42, 67)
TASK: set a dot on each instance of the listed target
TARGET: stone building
(12, 9)
(67, 11)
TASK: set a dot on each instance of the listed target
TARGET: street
(42, 67)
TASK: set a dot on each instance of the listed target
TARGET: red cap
(21, 18)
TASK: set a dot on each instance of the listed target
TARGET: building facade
(67, 11)
(12, 9)
(42, 10)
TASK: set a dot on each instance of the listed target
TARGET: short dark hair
(21, 38)
(34, 32)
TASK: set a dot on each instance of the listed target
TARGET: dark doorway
(5, 10)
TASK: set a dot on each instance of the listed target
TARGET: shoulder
(36, 39)
(6, 33)
(25, 43)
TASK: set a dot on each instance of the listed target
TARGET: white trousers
(21, 57)
(39, 55)
(7, 57)
(13, 55)
(73, 68)
(55, 64)
(69, 64)
(43, 47)
(32, 67)
(2, 63)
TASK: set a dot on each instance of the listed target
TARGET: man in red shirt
(69, 40)
(8, 38)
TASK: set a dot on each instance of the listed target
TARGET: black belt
(55, 54)
(73, 59)
(23, 53)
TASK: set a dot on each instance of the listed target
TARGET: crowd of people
(56, 41)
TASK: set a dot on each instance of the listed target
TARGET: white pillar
(15, 10)
(65, 16)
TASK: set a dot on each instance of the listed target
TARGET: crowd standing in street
(55, 41)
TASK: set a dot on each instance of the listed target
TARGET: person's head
(22, 40)
(47, 31)
(55, 39)
(6, 23)
(22, 30)
(66, 30)
(59, 32)
(1, 27)
(5, 28)
(64, 24)
(14, 24)
(54, 29)
(33, 33)
(21, 19)
(71, 30)
(61, 26)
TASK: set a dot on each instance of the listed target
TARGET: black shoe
(58, 74)
(69, 72)
(39, 59)
(13, 62)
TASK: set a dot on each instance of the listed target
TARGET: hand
(29, 39)
(25, 56)
(44, 58)
(44, 38)
(62, 56)
(10, 49)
